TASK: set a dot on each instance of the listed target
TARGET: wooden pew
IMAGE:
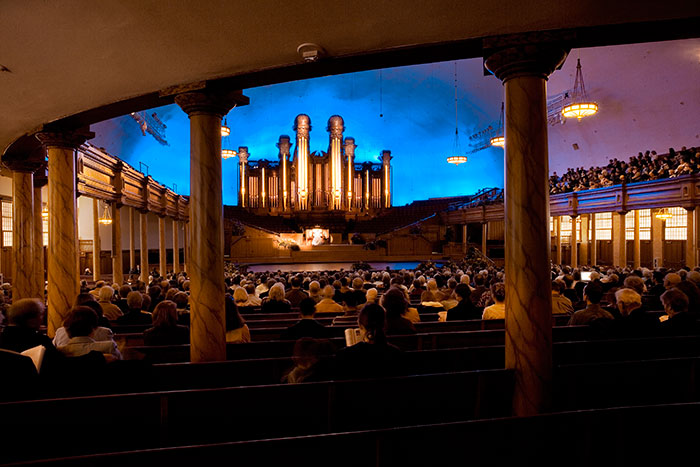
(138, 421)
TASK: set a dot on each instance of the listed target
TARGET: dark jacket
(167, 335)
(464, 310)
(305, 328)
(364, 360)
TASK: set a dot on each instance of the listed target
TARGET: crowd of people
(615, 301)
(640, 168)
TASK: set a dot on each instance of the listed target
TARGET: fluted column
(186, 247)
(464, 239)
(162, 258)
(583, 245)
(574, 243)
(96, 242)
(132, 239)
(22, 233)
(144, 247)
(117, 263)
(484, 236)
(620, 239)
(594, 244)
(690, 239)
(637, 241)
(657, 240)
(207, 287)
(523, 66)
(176, 246)
(63, 276)
(38, 268)
(557, 226)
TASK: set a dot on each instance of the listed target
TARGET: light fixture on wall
(664, 214)
(225, 130)
(499, 140)
(106, 217)
(580, 106)
(457, 158)
(225, 152)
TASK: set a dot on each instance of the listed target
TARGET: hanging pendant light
(225, 132)
(499, 140)
(580, 105)
(456, 158)
(45, 211)
(664, 214)
(106, 217)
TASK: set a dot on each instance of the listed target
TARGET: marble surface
(132, 238)
(143, 245)
(484, 237)
(176, 246)
(527, 250)
(62, 265)
(207, 319)
(38, 249)
(657, 239)
(96, 240)
(117, 262)
(593, 244)
(162, 258)
(636, 241)
(22, 235)
(574, 242)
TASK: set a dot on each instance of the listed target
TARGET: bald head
(26, 313)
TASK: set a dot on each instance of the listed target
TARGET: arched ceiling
(64, 59)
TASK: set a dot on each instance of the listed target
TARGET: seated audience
(561, 305)
(275, 301)
(101, 333)
(237, 331)
(592, 295)
(465, 309)
(498, 309)
(165, 330)
(327, 304)
(396, 306)
(109, 309)
(373, 357)
(295, 295)
(679, 321)
(308, 361)
(307, 326)
(22, 330)
(135, 314)
(315, 291)
(80, 324)
(633, 321)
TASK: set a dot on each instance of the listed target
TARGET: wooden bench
(138, 421)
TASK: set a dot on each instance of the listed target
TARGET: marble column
(162, 258)
(637, 242)
(38, 268)
(144, 247)
(96, 242)
(574, 242)
(186, 252)
(117, 262)
(690, 239)
(593, 251)
(132, 239)
(63, 275)
(619, 236)
(523, 67)
(484, 236)
(657, 240)
(464, 239)
(557, 227)
(583, 241)
(176, 246)
(22, 233)
(207, 319)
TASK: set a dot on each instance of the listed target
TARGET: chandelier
(580, 105)
(456, 158)
(106, 217)
(499, 140)
(664, 214)
(225, 132)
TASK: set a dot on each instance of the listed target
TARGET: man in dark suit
(307, 326)
(296, 295)
(465, 309)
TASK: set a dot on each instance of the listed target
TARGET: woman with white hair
(275, 301)
(327, 304)
(633, 320)
(109, 309)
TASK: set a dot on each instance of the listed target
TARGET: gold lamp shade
(228, 153)
(456, 160)
(580, 110)
(225, 131)
(106, 217)
(499, 141)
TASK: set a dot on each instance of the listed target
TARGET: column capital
(22, 165)
(210, 102)
(529, 54)
(689, 208)
(71, 139)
